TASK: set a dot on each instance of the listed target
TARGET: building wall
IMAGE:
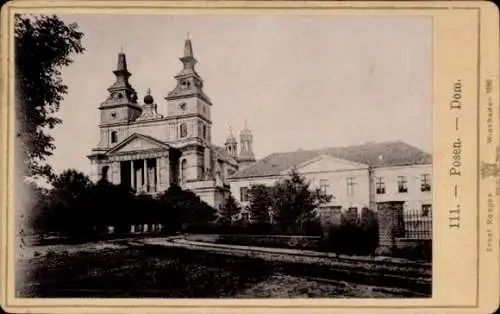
(237, 184)
(165, 130)
(346, 195)
(414, 198)
(335, 183)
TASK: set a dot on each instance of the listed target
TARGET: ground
(122, 268)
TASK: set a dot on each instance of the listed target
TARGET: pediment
(137, 142)
(327, 163)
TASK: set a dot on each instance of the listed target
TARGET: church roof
(373, 154)
(133, 136)
(222, 153)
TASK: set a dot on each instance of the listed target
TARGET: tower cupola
(150, 109)
(231, 144)
(246, 155)
(189, 82)
(121, 104)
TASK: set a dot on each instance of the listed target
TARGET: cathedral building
(149, 151)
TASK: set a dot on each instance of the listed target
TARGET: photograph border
(7, 139)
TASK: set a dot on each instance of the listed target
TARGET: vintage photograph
(223, 156)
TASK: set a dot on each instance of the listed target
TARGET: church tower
(189, 110)
(121, 104)
(120, 107)
(231, 145)
(246, 156)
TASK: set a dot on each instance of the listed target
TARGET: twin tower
(149, 151)
(246, 155)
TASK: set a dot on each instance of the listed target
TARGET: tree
(111, 205)
(43, 46)
(260, 199)
(39, 202)
(294, 202)
(68, 211)
(369, 230)
(185, 208)
(229, 210)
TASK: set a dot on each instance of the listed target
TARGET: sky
(301, 82)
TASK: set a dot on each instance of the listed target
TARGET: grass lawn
(151, 271)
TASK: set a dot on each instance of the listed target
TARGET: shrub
(353, 236)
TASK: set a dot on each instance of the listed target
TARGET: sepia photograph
(223, 156)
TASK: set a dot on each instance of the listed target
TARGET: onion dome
(148, 99)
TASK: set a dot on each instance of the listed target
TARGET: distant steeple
(231, 144)
(246, 155)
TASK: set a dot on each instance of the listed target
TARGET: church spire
(122, 99)
(189, 82)
(121, 71)
(121, 92)
(188, 58)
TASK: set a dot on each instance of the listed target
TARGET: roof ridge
(377, 154)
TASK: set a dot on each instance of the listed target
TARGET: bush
(353, 236)
(50, 254)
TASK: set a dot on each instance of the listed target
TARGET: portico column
(157, 174)
(132, 174)
(162, 166)
(138, 175)
(145, 171)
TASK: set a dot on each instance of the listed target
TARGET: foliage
(43, 47)
(294, 203)
(354, 236)
(260, 199)
(38, 205)
(77, 209)
(228, 211)
(186, 207)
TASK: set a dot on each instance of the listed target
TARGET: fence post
(390, 217)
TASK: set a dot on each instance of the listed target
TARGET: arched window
(104, 173)
(183, 130)
(183, 170)
(114, 137)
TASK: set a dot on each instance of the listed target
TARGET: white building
(356, 176)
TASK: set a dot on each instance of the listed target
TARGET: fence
(417, 225)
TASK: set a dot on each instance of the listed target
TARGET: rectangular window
(353, 211)
(380, 185)
(244, 194)
(426, 210)
(425, 185)
(350, 186)
(323, 185)
(402, 184)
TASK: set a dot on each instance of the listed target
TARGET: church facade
(149, 151)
